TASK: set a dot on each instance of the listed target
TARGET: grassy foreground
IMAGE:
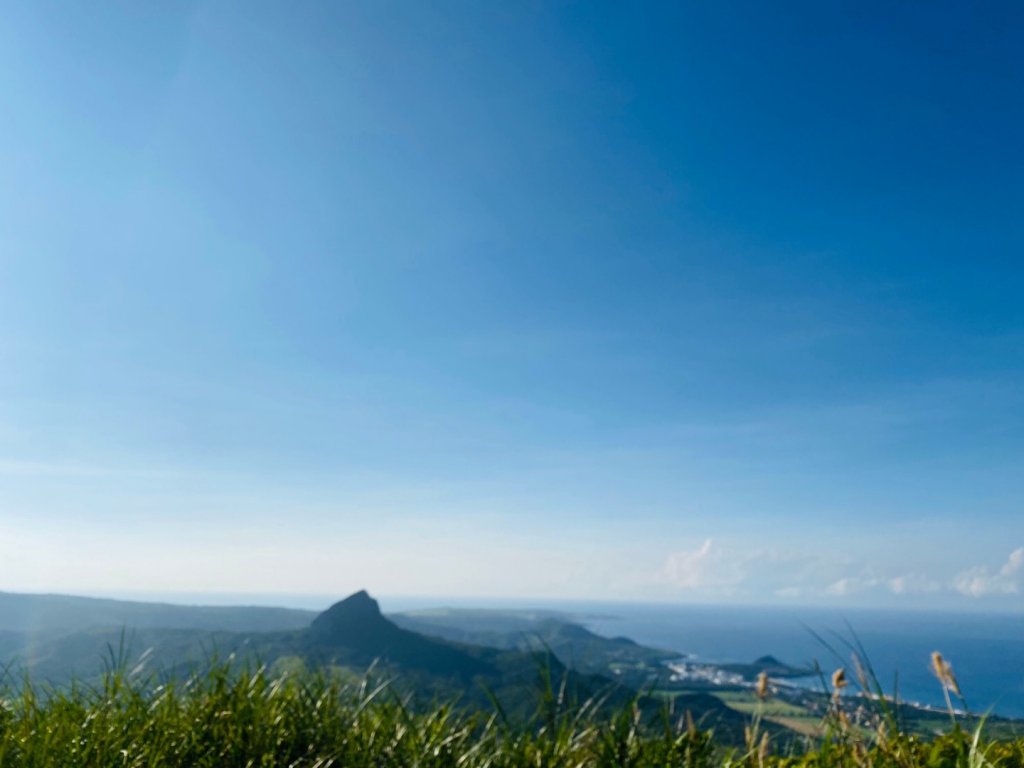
(225, 718)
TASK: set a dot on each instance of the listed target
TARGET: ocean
(986, 650)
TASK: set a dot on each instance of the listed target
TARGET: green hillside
(346, 640)
(44, 616)
(474, 661)
(529, 629)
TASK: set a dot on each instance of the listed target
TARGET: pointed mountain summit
(355, 630)
(357, 601)
(357, 618)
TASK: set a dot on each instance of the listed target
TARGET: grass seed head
(761, 687)
(939, 666)
(943, 670)
(862, 674)
(839, 679)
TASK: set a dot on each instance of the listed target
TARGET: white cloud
(851, 585)
(842, 587)
(982, 580)
(703, 568)
(722, 570)
(912, 583)
(715, 570)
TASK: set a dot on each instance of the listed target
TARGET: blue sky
(719, 302)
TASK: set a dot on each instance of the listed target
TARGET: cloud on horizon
(712, 570)
(981, 580)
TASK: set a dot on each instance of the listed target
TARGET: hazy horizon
(398, 602)
(699, 303)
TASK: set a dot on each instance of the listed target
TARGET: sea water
(986, 650)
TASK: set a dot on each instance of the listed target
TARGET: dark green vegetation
(34, 616)
(345, 641)
(250, 717)
(458, 667)
(58, 637)
(353, 634)
(574, 644)
(618, 657)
